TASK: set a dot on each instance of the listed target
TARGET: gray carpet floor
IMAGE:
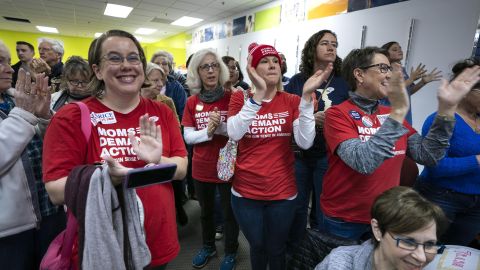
(190, 237)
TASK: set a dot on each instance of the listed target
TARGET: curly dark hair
(309, 54)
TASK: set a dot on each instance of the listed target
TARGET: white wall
(444, 32)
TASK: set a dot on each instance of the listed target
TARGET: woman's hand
(315, 81)
(418, 72)
(434, 75)
(451, 93)
(116, 170)
(397, 94)
(33, 97)
(319, 119)
(213, 122)
(38, 65)
(259, 82)
(148, 146)
(150, 93)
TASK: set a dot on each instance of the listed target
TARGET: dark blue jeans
(219, 222)
(25, 250)
(309, 174)
(206, 197)
(266, 225)
(347, 230)
(463, 210)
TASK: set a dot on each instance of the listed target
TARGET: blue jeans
(206, 197)
(219, 222)
(463, 210)
(347, 230)
(265, 224)
(309, 177)
(25, 250)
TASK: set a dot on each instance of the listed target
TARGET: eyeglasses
(232, 68)
(5, 62)
(116, 59)
(78, 83)
(156, 82)
(206, 67)
(44, 49)
(384, 68)
(407, 244)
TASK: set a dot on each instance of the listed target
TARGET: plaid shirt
(34, 151)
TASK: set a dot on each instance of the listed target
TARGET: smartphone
(156, 174)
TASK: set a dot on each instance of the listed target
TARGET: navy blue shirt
(337, 92)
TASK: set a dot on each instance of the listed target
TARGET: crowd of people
(321, 151)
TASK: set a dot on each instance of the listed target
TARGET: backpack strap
(85, 115)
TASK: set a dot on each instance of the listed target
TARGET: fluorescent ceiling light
(186, 21)
(145, 31)
(140, 39)
(117, 11)
(47, 29)
(98, 34)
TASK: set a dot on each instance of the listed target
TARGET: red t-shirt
(264, 168)
(346, 193)
(64, 148)
(205, 154)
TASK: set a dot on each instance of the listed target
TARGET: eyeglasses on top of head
(408, 244)
(384, 68)
(206, 67)
(116, 59)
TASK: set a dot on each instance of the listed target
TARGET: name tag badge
(104, 118)
(367, 121)
(199, 107)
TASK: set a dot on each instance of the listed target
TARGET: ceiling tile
(152, 7)
(186, 6)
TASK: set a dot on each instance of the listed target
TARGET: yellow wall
(176, 45)
(79, 46)
(72, 45)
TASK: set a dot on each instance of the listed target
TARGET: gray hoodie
(18, 196)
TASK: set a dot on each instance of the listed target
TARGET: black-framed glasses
(384, 68)
(5, 61)
(206, 67)
(428, 247)
(232, 68)
(117, 59)
(78, 83)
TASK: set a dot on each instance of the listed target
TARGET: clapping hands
(33, 97)
(213, 122)
(451, 93)
(315, 81)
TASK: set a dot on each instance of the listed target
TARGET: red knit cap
(257, 52)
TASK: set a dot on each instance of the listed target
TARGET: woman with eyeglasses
(156, 91)
(406, 228)
(395, 55)
(367, 142)
(236, 75)
(205, 128)
(173, 87)
(128, 131)
(454, 183)
(75, 78)
(263, 186)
